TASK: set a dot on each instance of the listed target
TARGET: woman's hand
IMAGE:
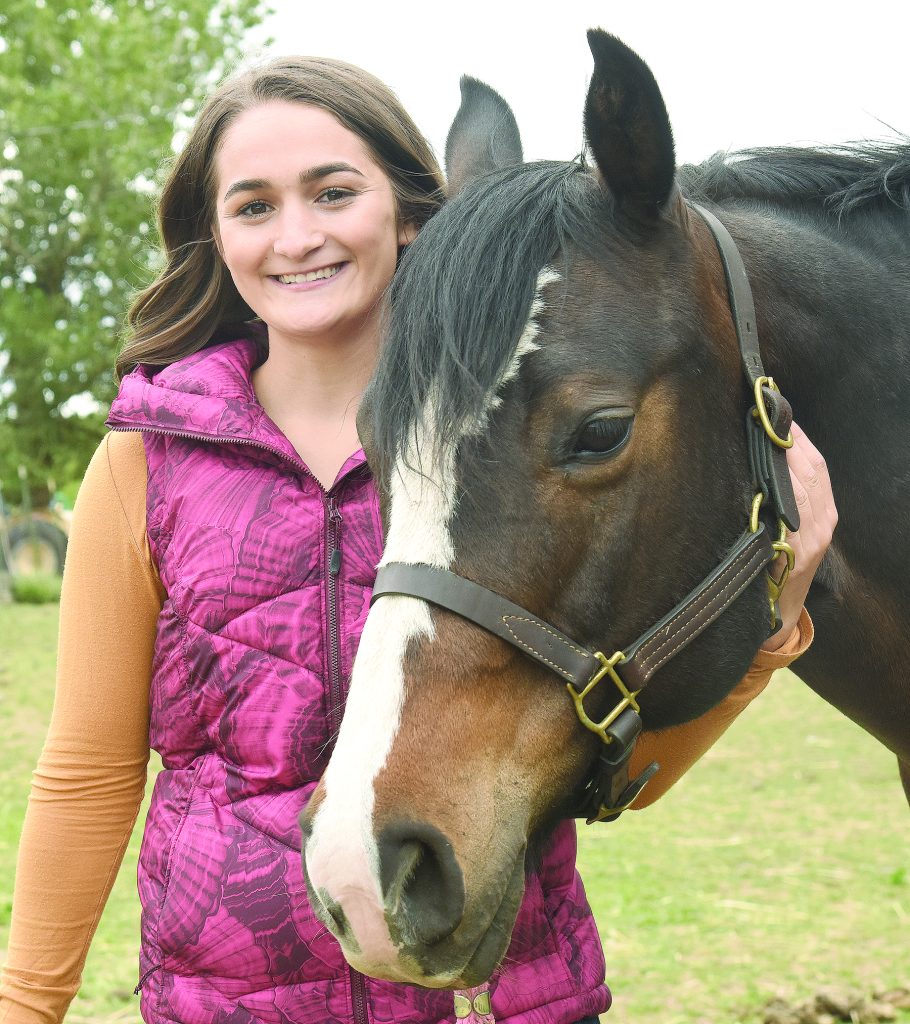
(817, 519)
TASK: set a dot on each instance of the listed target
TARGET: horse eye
(603, 436)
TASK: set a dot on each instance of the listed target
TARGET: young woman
(218, 576)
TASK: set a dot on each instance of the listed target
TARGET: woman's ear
(407, 233)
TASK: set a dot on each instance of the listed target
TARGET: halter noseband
(608, 791)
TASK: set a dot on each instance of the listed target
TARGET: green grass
(778, 866)
(28, 640)
(36, 589)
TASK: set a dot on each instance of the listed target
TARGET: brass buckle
(628, 699)
(761, 412)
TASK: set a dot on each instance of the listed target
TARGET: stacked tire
(36, 547)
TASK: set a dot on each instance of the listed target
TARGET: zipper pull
(145, 978)
(335, 521)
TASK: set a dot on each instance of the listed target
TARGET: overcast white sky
(732, 74)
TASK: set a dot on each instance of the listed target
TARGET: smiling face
(306, 222)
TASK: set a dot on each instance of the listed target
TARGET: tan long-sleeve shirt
(90, 779)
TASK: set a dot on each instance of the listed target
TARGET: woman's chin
(336, 328)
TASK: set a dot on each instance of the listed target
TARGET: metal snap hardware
(465, 1006)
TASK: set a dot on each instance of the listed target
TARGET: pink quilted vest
(268, 579)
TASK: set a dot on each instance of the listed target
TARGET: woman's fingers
(817, 519)
(809, 471)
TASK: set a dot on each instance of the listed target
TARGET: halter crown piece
(608, 790)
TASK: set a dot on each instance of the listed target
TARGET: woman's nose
(298, 233)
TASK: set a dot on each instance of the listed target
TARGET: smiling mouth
(323, 274)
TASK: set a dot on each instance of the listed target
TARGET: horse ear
(484, 135)
(627, 128)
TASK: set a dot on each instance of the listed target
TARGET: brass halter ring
(762, 412)
(782, 548)
(757, 502)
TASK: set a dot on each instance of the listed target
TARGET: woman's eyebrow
(247, 185)
(313, 174)
(324, 170)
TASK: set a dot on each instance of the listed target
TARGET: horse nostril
(422, 884)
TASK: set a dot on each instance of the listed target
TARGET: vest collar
(209, 396)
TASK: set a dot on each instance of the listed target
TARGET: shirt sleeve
(89, 782)
(678, 748)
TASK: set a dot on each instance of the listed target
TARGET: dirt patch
(832, 1006)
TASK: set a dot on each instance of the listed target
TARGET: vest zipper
(333, 549)
(358, 997)
(215, 439)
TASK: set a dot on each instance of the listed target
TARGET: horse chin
(495, 940)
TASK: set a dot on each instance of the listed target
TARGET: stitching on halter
(669, 654)
(668, 638)
(536, 653)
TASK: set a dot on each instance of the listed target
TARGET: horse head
(557, 416)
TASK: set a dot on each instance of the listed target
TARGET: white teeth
(313, 275)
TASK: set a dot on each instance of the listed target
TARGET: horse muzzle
(399, 910)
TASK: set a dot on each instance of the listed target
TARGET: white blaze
(341, 854)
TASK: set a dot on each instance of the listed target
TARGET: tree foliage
(92, 93)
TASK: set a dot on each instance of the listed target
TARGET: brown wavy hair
(193, 301)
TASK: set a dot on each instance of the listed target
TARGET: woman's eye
(257, 208)
(603, 436)
(335, 195)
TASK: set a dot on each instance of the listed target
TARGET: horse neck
(830, 307)
(833, 315)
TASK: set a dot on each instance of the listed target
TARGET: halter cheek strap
(768, 421)
(546, 644)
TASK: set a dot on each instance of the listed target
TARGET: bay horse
(557, 417)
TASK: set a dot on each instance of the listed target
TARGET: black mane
(468, 282)
(841, 178)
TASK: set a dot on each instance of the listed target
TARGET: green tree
(92, 95)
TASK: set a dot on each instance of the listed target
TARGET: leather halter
(608, 790)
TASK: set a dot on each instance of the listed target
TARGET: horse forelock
(422, 492)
